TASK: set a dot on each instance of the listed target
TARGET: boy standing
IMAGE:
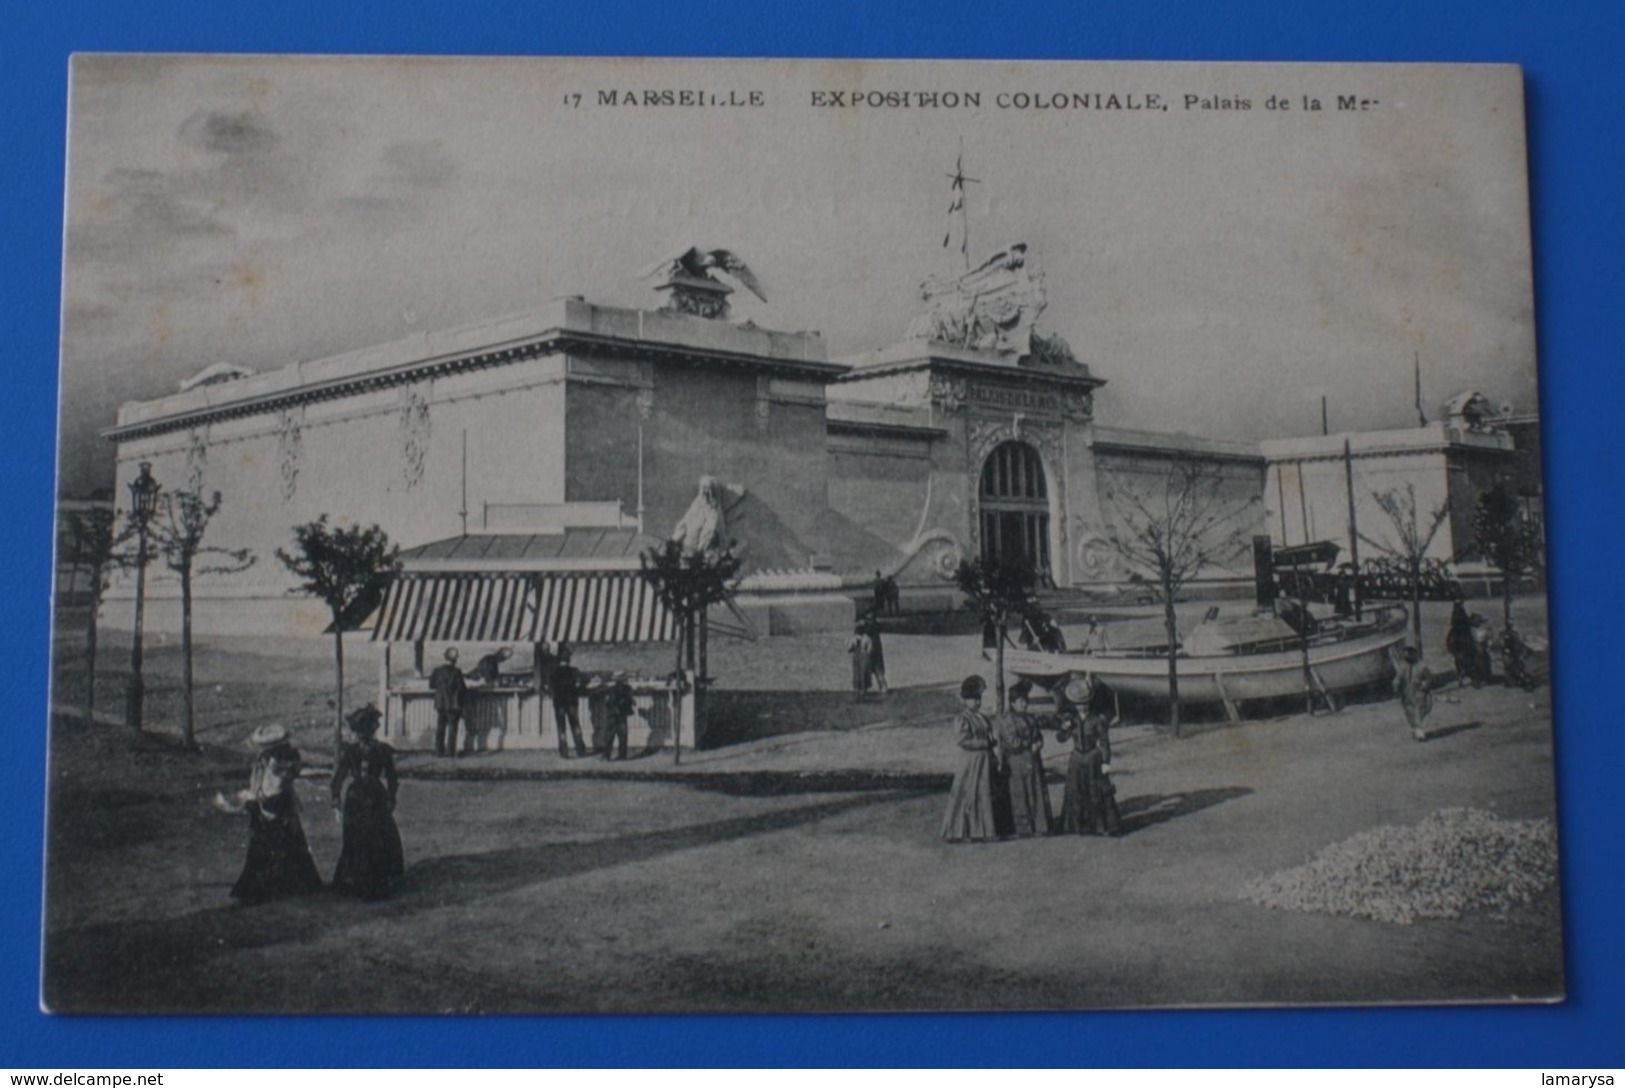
(1414, 683)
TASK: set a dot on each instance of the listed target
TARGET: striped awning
(581, 608)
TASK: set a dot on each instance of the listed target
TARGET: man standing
(619, 706)
(566, 702)
(489, 670)
(449, 687)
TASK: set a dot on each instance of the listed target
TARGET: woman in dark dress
(1020, 741)
(1462, 646)
(877, 653)
(1089, 806)
(861, 649)
(279, 862)
(371, 862)
(970, 800)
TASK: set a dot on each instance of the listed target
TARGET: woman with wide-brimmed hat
(1020, 742)
(1089, 806)
(371, 861)
(970, 815)
(279, 862)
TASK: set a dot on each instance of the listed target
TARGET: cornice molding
(554, 343)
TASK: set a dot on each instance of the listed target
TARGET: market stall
(474, 594)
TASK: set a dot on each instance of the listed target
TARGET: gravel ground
(1457, 861)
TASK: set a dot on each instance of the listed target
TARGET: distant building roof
(572, 549)
(1163, 443)
(931, 354)
(215, 374)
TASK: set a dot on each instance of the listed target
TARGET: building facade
(902, 461)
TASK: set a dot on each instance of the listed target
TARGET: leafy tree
(1408, 543)
(96, 542)
(1168, 533)
(997, 591)
(1509, 541)
(179, 539)
(688, 583)
(344, 568)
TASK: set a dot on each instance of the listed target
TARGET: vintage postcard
(560, 535)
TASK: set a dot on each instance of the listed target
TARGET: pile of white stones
(1456, 861)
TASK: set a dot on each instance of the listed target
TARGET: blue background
(1574, 58)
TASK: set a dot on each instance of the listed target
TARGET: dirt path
(800, 871)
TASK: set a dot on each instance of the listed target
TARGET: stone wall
(392, 457)
(749, 431)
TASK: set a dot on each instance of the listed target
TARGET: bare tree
(1411, 536)
(998, 590)
(96, 544)
(179, 538)
(345, 569)
(1508, 540)
(1169, 532)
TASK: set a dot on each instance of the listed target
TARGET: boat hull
(1337, 667)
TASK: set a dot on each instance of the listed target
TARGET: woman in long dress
(371, 862)
(1089, 806)
(861, 649)
(877, 653)
(970, 800)
(279, 862)
(1020, 742)
(1461, 643)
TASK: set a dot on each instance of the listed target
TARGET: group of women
(999, 790)
(279, 862)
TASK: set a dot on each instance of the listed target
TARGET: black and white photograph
(560, 535)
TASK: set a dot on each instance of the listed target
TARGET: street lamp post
(143, 501)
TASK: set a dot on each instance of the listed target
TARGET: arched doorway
(1014, 501)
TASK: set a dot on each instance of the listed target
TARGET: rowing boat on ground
(1240, 663)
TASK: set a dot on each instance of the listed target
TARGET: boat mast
(1354, 527)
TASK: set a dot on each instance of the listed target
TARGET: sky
(1222, 268)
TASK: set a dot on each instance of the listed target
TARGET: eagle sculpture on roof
(691, 277)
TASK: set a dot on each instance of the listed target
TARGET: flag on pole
(956, 204)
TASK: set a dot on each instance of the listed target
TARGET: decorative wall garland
(290, 449)
(415, 432)
(197, 459)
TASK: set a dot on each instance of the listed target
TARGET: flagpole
(959, 180)
(964, 210)
(1420, 415)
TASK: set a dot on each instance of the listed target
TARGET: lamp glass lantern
(144, 494)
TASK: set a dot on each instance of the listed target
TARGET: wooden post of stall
(383, 685)
(541, 669)
(688, 703)
(677, 718)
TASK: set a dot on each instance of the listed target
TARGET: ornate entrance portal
(1014, 501)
